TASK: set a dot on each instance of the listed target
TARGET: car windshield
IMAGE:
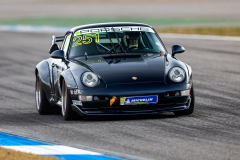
(112, 40)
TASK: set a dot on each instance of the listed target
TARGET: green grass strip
(221, 31)
(76, 21)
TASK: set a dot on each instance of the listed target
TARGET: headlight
(90, 79)
(177, 74)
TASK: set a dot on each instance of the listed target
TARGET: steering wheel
(131, 48)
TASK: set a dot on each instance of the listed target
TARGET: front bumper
(128, 111)
(102, 107)
(165, 103)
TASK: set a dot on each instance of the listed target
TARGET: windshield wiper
(111, 42)
(119, 41)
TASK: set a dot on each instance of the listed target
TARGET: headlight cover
(177, 74)
(90, 79)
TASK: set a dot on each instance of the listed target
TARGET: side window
(66, 44)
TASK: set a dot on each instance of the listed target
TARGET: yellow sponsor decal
(93, 61)
(123, 100)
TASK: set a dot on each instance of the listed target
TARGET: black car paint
(42, 69)
(177, 49)
(124, 69)
(58, 54)
(52, 72)
(173, 62)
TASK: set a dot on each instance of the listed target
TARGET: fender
(189, 72)
(173, 62)
(69, 79)
(42, 69)
(78, 69)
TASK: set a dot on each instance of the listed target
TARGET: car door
(59, 66)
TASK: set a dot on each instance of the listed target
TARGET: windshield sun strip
(120, 28)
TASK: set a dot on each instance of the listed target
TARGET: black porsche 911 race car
(113, 69)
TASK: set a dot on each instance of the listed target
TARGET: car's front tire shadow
(129, 117)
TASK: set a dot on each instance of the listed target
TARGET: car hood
(126, 69)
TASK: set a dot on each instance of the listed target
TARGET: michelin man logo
(127, 101)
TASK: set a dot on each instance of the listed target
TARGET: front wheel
(191, 105)
(67, 112)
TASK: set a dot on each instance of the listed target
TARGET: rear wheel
(42, 104)
(67, 112)
(191, 105)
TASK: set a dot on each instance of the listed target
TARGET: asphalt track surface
(212, 132)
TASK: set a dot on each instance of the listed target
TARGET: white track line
(49, 29)
(29, 28)
(196, 36)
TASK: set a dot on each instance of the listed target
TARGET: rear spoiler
(57, 39)
(54, 46)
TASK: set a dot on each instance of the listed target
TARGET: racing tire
(190, 108)
(67, 112)
(42, 104)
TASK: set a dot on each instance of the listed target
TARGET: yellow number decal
(96, 37)
(87, 39)
(77, 41)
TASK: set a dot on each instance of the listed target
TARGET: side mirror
(53, 48)
(177, 49)
(59, 54)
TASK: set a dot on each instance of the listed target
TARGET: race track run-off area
(211, 132)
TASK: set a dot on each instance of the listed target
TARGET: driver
(132, 40)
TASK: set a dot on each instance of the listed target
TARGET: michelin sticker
(139, 100)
